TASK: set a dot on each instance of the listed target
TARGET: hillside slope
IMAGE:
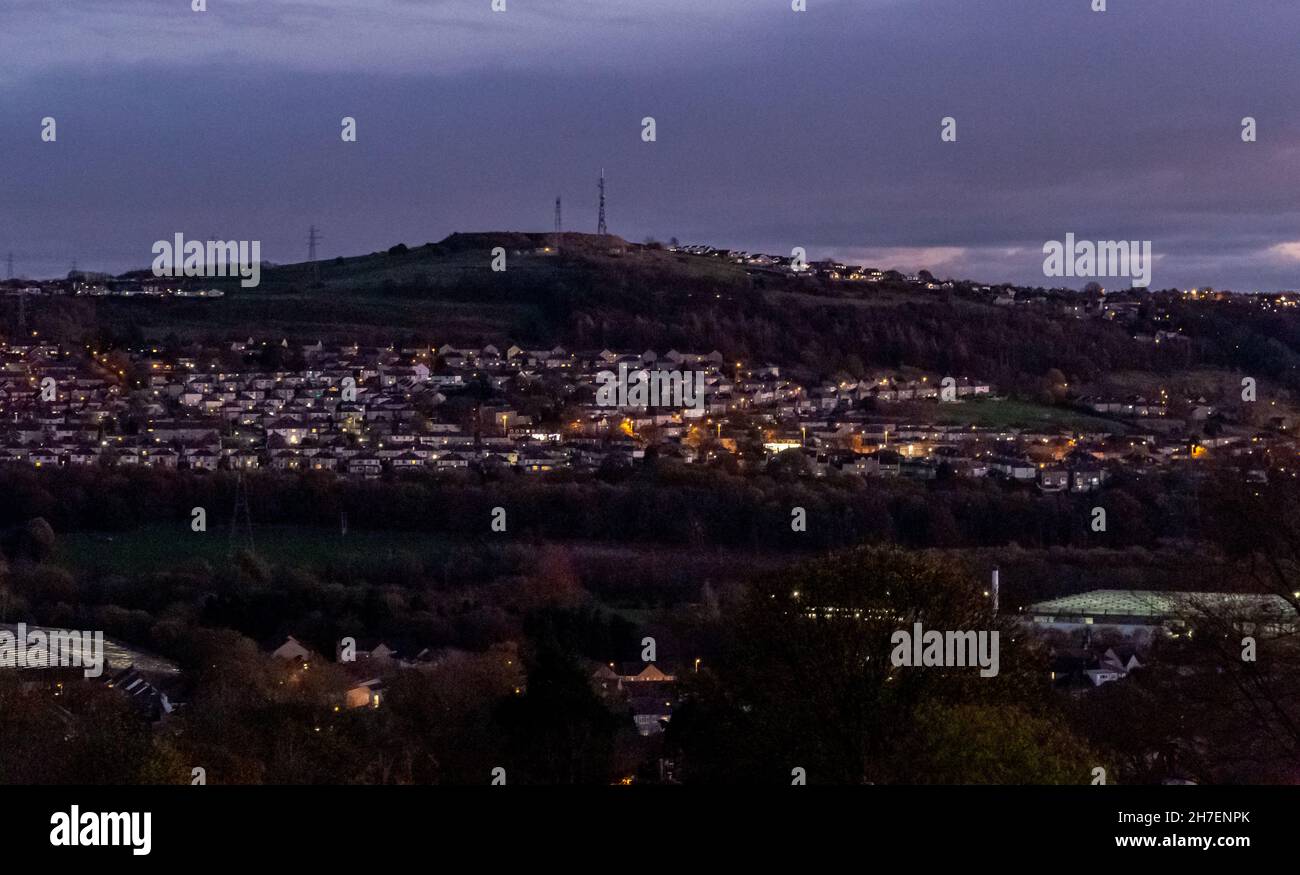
(589, 292)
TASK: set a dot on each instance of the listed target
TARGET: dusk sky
(775, 128)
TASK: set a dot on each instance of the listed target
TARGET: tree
(790, 463)
(1248, 698)
(558, 731)
(1055, 386)
(33, 542)
(806, 679)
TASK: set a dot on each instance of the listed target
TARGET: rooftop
(1150, 603)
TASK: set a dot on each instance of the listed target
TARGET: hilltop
(445, 290)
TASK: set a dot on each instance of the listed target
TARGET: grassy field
(168, 547)
(1019, 414)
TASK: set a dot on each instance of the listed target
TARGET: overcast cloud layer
(775, 128)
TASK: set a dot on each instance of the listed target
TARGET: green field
(1020, 414)
(158, 548)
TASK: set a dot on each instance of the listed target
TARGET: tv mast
(22, 299)
(558, 223)
(601, 228)
(313, 237)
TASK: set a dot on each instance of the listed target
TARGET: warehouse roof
(1160, 605)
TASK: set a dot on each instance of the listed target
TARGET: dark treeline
(1239, 335)
(661, 504)
(467, 598)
